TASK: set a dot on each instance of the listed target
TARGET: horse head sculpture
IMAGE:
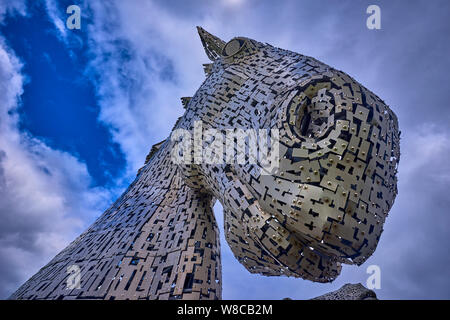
(302, 158)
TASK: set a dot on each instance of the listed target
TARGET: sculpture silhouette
(323, 204)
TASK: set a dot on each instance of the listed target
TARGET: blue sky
(80, 109)
(59, 100)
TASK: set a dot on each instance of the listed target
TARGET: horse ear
(216, 48)
(213, 46)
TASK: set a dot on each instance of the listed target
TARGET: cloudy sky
(79, 110)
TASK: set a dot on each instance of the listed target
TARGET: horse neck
(176, 250)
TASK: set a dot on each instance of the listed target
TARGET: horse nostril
(308, 122)
(304, 124)
(301, 118)
(310, 116)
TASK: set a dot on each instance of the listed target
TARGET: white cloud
(11, 8)
(54, 14)
(146, 61)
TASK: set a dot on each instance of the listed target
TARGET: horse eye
(309, 117)
(233, 47)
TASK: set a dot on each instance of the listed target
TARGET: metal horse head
(326, 199)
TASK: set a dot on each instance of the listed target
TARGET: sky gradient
(80, 109)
